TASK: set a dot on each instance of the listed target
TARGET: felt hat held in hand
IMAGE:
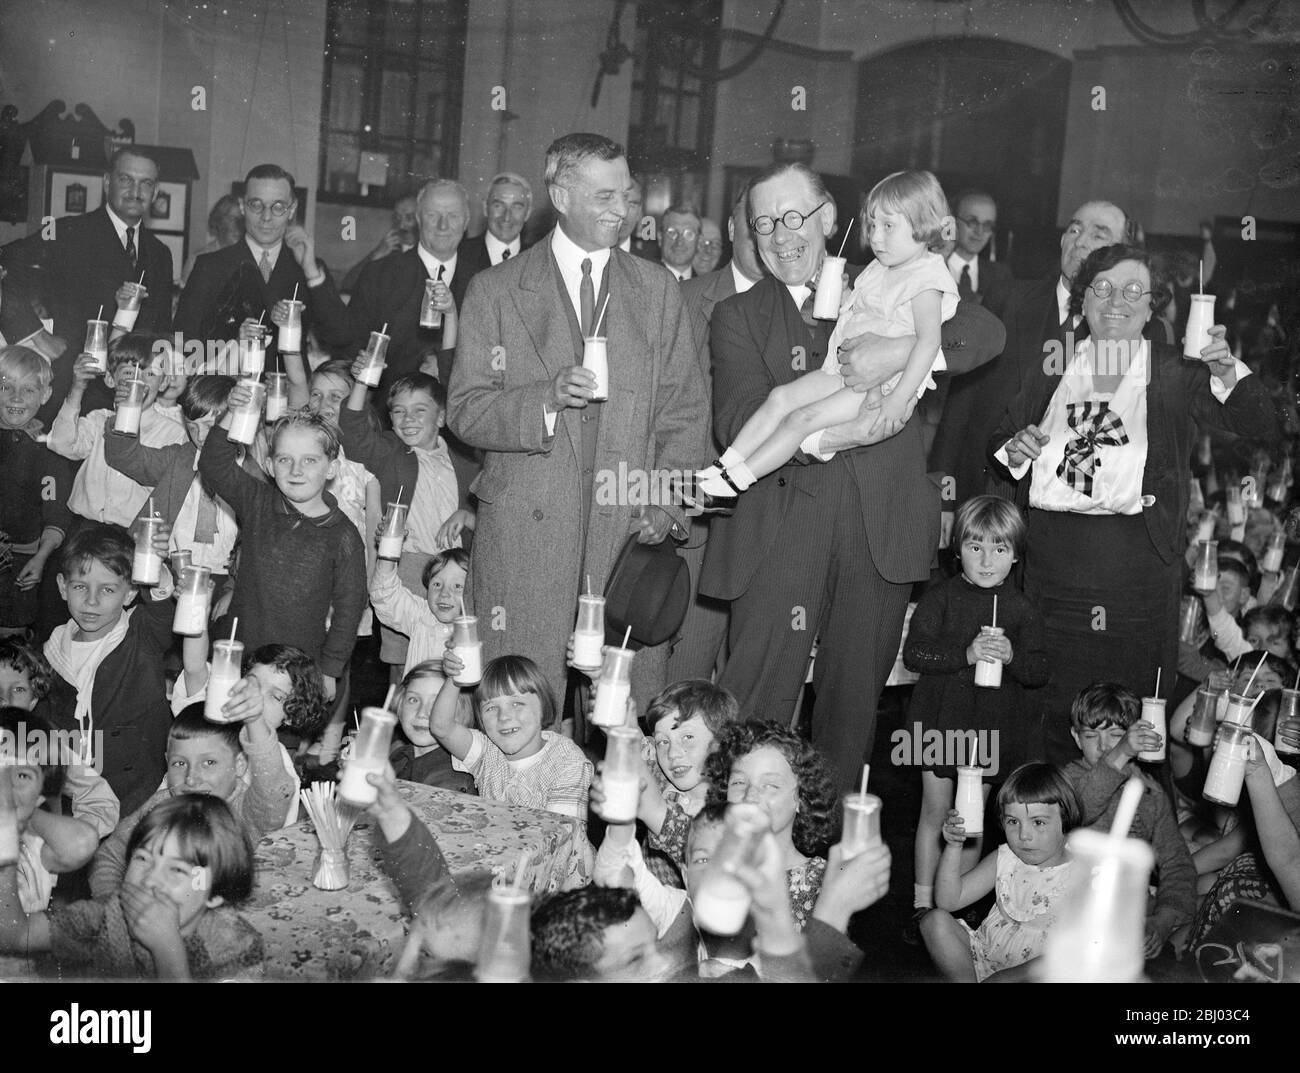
(649, 590)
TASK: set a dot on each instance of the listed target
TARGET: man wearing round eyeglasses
(829, 545)
(679, 235)
(230, 290)
(976, 214)
(92, 255)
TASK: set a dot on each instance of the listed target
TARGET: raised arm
(453, 737)
(220, 468)
(144, 465)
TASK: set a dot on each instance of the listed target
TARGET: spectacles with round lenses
(1131, 292)
(687, 233)
(978, 225)
(793, 220)
(258, 207)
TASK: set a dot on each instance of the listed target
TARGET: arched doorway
(976, 112)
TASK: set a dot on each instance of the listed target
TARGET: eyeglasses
(710, 244)
(258, 207)
(979, 225)
(793, 220)
(687, 233)
(1131, 292)
(128, 182)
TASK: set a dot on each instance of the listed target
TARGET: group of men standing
(827, 548)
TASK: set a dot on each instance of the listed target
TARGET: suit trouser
(695, 649)
(818, 580)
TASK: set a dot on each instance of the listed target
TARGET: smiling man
(519, 392)
(508, 204)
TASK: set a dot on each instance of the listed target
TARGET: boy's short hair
(1104, 704)
(459, 556)
(25, 737)
(992, 518)
(206, 396)
(17, 361)
(419, 382)
(1236, 568)
(1274, 618)
(109, 545)
(334, 367)
(1042, 784)
(305, 708)
(29, 661)
(686, 700)
(310, 422)
(1235, 549)
(190, 724)
(568, 929)
(207, 835)
(711, 815)
(134, 348)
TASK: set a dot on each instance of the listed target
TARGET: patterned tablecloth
(358, 933)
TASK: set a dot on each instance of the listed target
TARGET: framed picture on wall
(167, 213)
(176, 244)
(72, 194)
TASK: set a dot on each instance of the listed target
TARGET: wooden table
(358, 933)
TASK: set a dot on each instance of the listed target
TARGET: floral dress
(1028, 902)
(805, 885)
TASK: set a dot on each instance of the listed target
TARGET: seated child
(1225, 604)
(446, 930)
(25, 681)
(212, 758)
(31, 774)
(419, 758)
(906, 291)
(189, 860)
(201, 522)
(426, 622)
(34, 515)
(594, 933)
(1105, 724)
(99, 492)
(108, 660)
(1030, 873)
(302, 563)
(514, 758)
(1268, 629)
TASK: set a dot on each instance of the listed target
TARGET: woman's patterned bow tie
(1094, 425)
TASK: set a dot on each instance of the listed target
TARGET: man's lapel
(629, 350)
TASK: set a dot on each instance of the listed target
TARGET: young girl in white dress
(906, 291)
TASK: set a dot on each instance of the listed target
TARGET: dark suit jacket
(995, 278)
(701, 294)
(977, 402)
(226, 287)
(1178, 392)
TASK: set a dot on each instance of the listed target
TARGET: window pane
(400, 25)
(395, 103)
(350, 22)
(342, 157)
(688, 127)
(345, 87)
(428, 111)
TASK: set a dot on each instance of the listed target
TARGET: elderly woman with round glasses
(1100, 446)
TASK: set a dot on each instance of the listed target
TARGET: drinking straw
(259, 317)
(519, 870)
(1262, 657)
(400, 489)
(595, 329)
(588, 584)
(1128, 805)
(995, 611)
(1157, 693)
(233, 627)
(388, 699)
(844, 243)
(295, 292)
(463, 612)
(866, 771)
(1297, 680)
(384, 329)
(140, 281)
(151, 506)
(100, 314)
(1201, 290)
(625, 638)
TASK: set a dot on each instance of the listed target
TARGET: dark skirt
(1110, 611)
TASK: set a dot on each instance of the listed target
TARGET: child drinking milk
(1030, 874)
(906, 291)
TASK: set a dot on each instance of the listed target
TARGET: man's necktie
(266, 267)
(964, 289)
(587, 299)
(806, 310)
(505, 254)
(130, 245)
(205, 523)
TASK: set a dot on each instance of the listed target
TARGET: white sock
(710, 480)
(730, 457)
(922, 897)
(740, 474)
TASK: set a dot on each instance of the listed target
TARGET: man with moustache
(519, 392)
(829, 545)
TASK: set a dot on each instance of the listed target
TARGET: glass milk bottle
(988, 672)
(252, 355)
(369, 756)
(193, 602)
(589, 635)
(1288, 713)
(1205, 574)
(720, 904)
(277, 396)
(1272, 561)
(129, 310)
(1228, 767)
(1189, 620)
(247, 419)
(1101, 930)
(1153, 711)
(226, 670)
(97, 343)
(505, 950)
(393, 534)
(595, 359)
(469, 650)
(830, 289)
(861, 828)
(126, 420)
(288, 339)
(376, 353)
(1200, 725)
(621, 774)
(430, 315)
(1200, 319)
(146, 564)
(613, 688)
(969, 799)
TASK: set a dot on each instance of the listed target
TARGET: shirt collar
(120, 225)
(271, 251)
(496, 247)
(681, 274)
(956, 262)
(432, 264)
(626, 244)
(799, 292)
(1062, 300)
(569, 255)
(742, 281)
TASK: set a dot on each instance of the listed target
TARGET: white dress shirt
(273, 252)
(742, 282)
(956, 262)
(432, 264)
(496, 248)
(569, 256)
(682, 274)
(120, 226)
